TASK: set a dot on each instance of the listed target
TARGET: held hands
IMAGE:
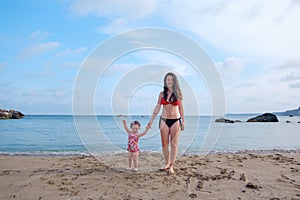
(149, 125)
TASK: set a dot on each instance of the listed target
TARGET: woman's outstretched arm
(156, 110)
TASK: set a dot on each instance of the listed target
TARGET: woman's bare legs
(174, 135)
(164, 133)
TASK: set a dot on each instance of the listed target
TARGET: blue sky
(255, 46)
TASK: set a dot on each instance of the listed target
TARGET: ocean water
(68, 135)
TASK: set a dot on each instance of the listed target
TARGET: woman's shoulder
(161, 94)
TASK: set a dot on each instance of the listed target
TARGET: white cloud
(118, 68)
(271, 91)
(243, 27)
(123, 14)
(290, 76)
(6, 84)
(32, 93)
(71, 64)
(39, 35)
(37, 49)
(72, 52)
(117, 26)
(47, 70)
(295, 85)
(258, 33)
(230, 69)
(2, 65)
(57, 93)
(252, 28)
(7, 89)
(130, 9)
(168, 59)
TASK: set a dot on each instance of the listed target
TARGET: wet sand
(214, 176)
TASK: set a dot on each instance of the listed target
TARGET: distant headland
(266, 117)
(10, 114)
(294, 112)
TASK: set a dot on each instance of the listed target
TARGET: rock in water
(266, 117)
(10, 114)
(223, 120)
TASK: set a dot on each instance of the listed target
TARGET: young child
(133, 138)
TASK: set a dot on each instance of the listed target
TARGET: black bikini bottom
(170, 122)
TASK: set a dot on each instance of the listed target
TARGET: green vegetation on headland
(294, 112)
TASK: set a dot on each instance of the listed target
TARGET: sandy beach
(214, 176)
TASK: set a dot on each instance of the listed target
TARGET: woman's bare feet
(165, 168)
(171, 171)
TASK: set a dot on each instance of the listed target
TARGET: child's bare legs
(135, 156)
(130, 158)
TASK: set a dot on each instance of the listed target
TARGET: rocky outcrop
(10, 114)
(266, 117)
(223, 120)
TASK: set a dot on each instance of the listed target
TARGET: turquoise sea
(68, 135)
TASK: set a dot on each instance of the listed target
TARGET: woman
(171, 120)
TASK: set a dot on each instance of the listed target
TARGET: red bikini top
(164, 102)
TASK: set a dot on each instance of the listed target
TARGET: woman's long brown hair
(176, 88)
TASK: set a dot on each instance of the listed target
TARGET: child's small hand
(124, 121)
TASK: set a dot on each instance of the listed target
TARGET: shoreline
(214, 176)
(104, 154)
